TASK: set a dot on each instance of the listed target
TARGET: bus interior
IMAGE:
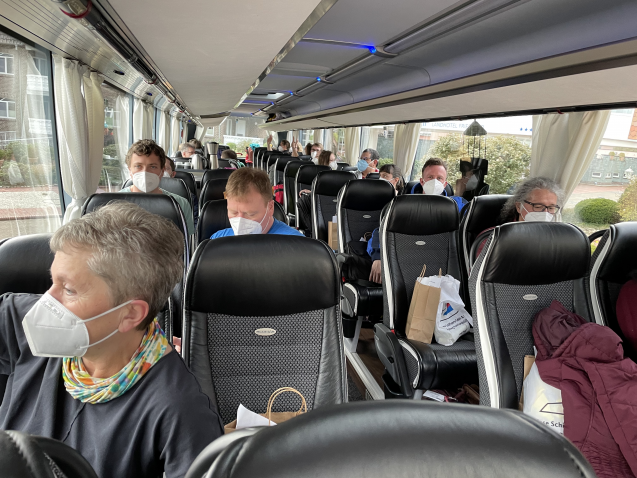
(498, 93)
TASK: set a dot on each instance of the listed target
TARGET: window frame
(14, 109)
(596, 175)
(6, 57)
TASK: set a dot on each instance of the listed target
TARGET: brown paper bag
(332, 235)
(276, 417)
(529, 360)
(421, 319)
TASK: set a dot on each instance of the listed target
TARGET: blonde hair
(138, 254)
(245, 180)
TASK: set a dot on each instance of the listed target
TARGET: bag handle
(302, 409)
(422, 273)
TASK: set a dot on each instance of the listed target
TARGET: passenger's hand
(270, 139)
(177, 344)
(374, 276)
(306, 191)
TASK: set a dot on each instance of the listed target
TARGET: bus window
(29, 193)
(116, 139)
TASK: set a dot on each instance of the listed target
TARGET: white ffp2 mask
(314, 154)
(433, 186)
(52, 330)
(146, 182)
(242, 226)
(534, 216)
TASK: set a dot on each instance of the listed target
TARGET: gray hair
(184, 146)
(138, 254)
(524, 189)
(373, 152)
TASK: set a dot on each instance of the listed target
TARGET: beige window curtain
(563, 145)
(149, 118)
(80, 125)
(352, 145)
(122, 131)
(138, 119)
(163, 133)
(405, 145)
(174, 133)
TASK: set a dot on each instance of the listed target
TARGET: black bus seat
(213, 190)
(388, 438)
(215, 174)
(165, 206)
(172, 185)
(23, 455)
(612, 265)
(325, 189)
(289, 196)
(279, 168)
(287, 335)
(189, 179)
(304, 178)
(417, 230)
(522, 268)
(359, 205)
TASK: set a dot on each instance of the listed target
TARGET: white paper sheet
(247, 419)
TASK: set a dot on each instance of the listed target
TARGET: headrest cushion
(420, 214)
(620, 261)
(260, 275)
(536, 253)
(329, 183)
(366, 195)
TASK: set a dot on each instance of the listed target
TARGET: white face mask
(146, 182)
(538, 216)
(333, 165)
(472, 182)
(281, 149)
(314, 154)
(54, 331)
(433, 186)
(243, 226)
(166, 174)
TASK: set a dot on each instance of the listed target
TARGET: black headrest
(282, 273)
(350, 168)
(178, 155)
(403, 438)
(329, 183)
(160, 204)
(620, 259)
(213, 217)
(364, 195)
(25, 456)
(305, 157)
(484, 212)
(25, 262)
(422, 215)
(282, 162)
(213, 190)
(307, 172)
(279, 212)
(216, 174)
(373, 176)
(175, 186)
(292, 167)
(410, 185)
(187, 178)
(223, 163)
(536, 253)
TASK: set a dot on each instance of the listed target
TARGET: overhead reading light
(149, 93)
(119, 72)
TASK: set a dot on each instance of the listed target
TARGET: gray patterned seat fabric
(521, 270)
(325, 190)
(416, 230)
(612, 265)
(261, 313)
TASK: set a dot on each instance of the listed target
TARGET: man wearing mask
(367, 163)
(146, 162)
(170, 170)
(251, 207)
(434, 181)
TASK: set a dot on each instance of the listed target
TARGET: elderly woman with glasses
(534, 199)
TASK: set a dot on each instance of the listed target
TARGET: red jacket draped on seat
(599, 388)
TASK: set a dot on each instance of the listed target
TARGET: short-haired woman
(88, 363)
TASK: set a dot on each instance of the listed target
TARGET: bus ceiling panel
(603, 87)
(531, 31)
(284, 83)
(374, 22)
(318, 101)
(187, 43)
(42, 22)
(325, 56)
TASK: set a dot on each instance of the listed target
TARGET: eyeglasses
(366, 159)
(537, 207)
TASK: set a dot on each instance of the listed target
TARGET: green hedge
(598, 211)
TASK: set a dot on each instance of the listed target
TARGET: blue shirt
(277, 228)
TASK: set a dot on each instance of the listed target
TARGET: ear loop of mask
(101, 315)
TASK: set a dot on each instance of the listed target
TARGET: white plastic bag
(543, 401)
(452, 320)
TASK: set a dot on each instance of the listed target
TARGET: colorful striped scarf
(87, 389)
